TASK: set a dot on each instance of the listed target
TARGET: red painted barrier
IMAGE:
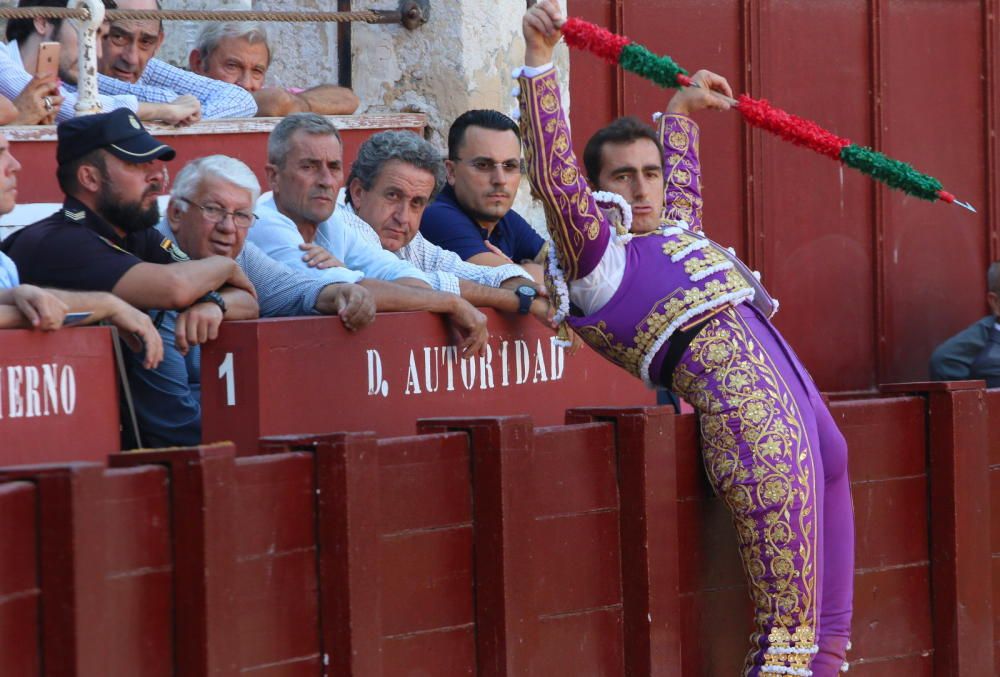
(58, 396)
(483, 546)
(288, 376)
(993, 404)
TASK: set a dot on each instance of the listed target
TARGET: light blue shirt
(281, 291)
(8, 273)
(279, 237)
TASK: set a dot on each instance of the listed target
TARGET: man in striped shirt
(128, 66)
(395, 176)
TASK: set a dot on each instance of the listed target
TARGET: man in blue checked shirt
(19, 56)
(128, 66)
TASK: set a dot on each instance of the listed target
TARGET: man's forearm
(276, 102)
(329, 100)
(412, 282)
(240, 305)
(483, 296)
(100, 304)
(12, 318)
(682, 201)
(390, 297)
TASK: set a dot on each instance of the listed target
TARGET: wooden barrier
(58, 396)
(289, 376)
(483, 546)
(993, 430)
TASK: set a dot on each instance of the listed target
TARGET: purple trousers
(775, 456)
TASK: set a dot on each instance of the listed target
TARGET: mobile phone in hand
(48, 59)
(76, 318)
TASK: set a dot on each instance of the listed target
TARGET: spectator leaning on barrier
(27, 306)
(306, 171)
(472, 216)
(19, 57)
(127, 59)
(104, 239)
(239, 53)
(974, 352)
(395, 176)
(209, 214)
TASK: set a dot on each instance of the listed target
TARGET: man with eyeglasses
(104, 239)
(209, 215)
(128, 66)
(394, 177)
(472, 216)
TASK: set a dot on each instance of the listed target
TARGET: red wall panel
(870, 280)
(19, 585)
(934, 256)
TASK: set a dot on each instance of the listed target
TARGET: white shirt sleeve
(278, 237)
(592, 292)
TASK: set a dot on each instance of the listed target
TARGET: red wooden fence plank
(993, 404)
(20, 613)
(647, 486)
(350, 619)
(960, 518)
(500, 462)
(71, 558)
(426, 554)
(201, 503)
(138, 572)
(276, 579)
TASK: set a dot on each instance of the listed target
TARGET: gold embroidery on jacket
(768, 484)
(574, 219)
(682, 203)
(629, 352)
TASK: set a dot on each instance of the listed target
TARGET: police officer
(111, 170)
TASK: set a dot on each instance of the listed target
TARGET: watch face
(525, 290)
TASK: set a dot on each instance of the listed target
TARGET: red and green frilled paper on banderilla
(664, 71)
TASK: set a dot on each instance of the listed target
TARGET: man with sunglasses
(472, 216)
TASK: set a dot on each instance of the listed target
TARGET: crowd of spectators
(227, 77)
(222, 249)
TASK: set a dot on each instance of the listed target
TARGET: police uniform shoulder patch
(175, 252)
(74, 216)
(113, 245)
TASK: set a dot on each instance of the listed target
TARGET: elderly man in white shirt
(395, 176)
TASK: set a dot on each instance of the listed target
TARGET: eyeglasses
(216, 215)
(488, 166)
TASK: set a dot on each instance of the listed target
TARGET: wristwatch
(213, 297)
(525, 295)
